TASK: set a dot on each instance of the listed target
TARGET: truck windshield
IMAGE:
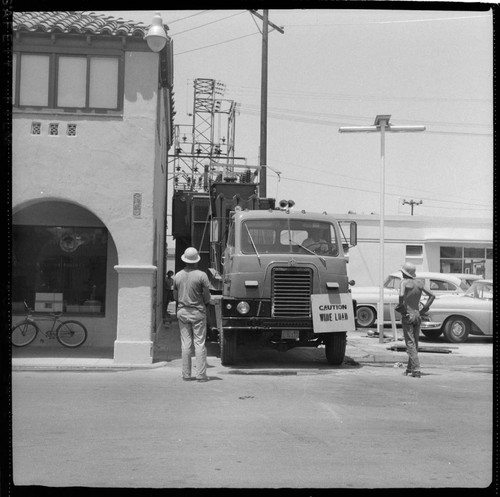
(284, 236)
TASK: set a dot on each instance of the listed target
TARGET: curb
(360, 350)
(83, 367)
(442, 361)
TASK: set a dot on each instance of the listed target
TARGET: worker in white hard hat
(191, 292)
(410, 293)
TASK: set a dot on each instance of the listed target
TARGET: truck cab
(275, 264)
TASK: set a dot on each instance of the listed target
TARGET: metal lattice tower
(208, 141)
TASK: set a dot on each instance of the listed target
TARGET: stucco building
(92, 123)
(438, 244)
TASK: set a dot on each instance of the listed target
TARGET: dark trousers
(411, 332)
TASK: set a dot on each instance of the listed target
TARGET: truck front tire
(335, 344)
(228, 343)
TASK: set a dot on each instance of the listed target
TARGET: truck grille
(292, 288)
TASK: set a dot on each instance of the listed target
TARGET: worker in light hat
(192, 294)
(410, 293)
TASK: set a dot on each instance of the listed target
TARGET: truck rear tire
(335, 345)
(228, 343)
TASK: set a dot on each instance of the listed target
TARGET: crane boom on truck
(278, 275)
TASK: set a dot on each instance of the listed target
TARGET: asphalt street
(355, 427)
(274, 420)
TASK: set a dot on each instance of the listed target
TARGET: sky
(342, 67)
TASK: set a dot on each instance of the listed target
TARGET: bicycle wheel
(23, 333)
(71, 333)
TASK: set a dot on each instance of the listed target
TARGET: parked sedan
(367, 297)
(467, 279)
(457, 317)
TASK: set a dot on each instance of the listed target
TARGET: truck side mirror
(353, 241)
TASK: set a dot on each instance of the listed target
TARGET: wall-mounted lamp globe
(156, 36)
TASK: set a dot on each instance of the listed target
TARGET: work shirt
(411, 291)
(191, 289)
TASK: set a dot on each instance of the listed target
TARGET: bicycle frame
(70, 333)
(55, 318)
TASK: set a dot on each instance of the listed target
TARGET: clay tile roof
(76, 22)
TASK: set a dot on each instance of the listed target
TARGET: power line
(208, 23)
(247, 90)
(254, 108)
(404, 21)
(187, 17)
(388, 184)
(215, 44)
(377, 192)
(325, 122)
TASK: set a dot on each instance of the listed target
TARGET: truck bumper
(266, 324)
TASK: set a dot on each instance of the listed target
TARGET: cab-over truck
(270, 284)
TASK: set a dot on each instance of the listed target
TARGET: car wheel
(365, 316)
(431, 333)
(456, 329)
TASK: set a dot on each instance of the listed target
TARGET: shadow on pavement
(255, 357)
(167, 347)
(477, 339)
(167, 343)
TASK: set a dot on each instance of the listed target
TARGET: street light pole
(381, 274)
(381, 125)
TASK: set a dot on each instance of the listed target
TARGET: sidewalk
(363, 347)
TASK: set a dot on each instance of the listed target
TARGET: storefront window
(451, 266)
(469, 260)
(451, 252)
(474, 253)
(60, 260)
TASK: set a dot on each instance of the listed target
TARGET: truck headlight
(243, 307)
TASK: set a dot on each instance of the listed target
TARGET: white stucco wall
(111, 158)
(400, 231)
(100, 168)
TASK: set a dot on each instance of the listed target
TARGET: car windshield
(480, 290)
(394, 282)
(284, 236)
(466, 282)
(438, 285)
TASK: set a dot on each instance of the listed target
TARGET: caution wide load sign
(332, 312)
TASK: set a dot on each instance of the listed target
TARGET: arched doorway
(62, 259)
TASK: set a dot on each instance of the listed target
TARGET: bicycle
(69, 333)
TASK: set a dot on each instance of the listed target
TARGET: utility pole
(263, 98)
(412, 203)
